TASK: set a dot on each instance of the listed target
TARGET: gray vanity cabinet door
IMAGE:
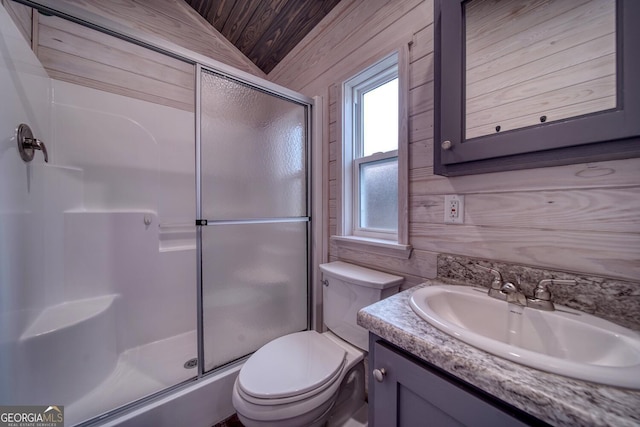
(410, 395)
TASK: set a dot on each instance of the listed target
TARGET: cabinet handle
(379, 374)
(446, 145)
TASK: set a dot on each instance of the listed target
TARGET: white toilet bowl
(294, 380)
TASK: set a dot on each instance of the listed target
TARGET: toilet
(309, 378)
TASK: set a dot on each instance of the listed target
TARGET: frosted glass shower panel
(253, 152)
(254, 286)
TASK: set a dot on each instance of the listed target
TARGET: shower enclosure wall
(109, 291)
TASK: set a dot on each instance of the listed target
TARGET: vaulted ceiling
(263, 30)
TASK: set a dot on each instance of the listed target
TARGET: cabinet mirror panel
(535, 83)
(534, 61)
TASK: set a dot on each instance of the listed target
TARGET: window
(373, 154)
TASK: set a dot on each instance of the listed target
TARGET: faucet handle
(542, 292)
(497, 276)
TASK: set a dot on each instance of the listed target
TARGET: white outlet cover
(454, 209)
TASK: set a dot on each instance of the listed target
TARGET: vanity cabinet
(413, 393)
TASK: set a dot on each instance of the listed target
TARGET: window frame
(397, 243)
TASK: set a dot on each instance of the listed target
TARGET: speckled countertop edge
(555, 399)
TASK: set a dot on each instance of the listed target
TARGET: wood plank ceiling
(263, 30)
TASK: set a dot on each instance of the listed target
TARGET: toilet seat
(307, 408)
(291, 368)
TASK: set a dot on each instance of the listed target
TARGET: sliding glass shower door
(254, 201)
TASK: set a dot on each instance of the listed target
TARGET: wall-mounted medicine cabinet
(535, 83)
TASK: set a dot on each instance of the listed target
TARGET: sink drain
(191, 363)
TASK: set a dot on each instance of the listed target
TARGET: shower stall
(157, 247)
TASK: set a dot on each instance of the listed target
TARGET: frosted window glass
(379, 195)
(254, 279)
(380, 119)
(253, 152)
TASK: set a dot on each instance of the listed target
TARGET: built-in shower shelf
(70, 348)
(67, 314)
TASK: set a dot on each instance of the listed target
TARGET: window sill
(380, 246)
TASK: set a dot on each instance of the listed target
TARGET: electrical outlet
(454, 209)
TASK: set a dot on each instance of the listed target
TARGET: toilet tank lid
(360, 275)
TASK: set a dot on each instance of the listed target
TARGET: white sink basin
(565, 341)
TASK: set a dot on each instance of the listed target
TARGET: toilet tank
(346, 289)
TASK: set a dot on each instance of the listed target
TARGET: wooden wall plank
(35, 30)
(263, 17)
(406, 14)
(485, 123)
(523, 88)
(612, 174)
(170, 20)
(612, 254)
(64, 36)
(511, 34)
(421, 99)
(219, 15)
(509, 75)
(300, 56)
(80, 55)
(112, 80)
(421, 71)
(288, 29)
(588, 210)
(422, 43)
(520, 111)
(332, 151)
(421, 154)
(332, 170)
(421, 126)
(238, 19)
(377, 47)
(21, 16)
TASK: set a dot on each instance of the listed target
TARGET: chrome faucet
(514, 294)
(542, 298)
(495, 291)
(511, 293)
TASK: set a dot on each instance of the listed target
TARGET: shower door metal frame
(204, 222)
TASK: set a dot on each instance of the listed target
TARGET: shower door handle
(27, 144)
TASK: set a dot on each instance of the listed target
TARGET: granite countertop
(558, 400)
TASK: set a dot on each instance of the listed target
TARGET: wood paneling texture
(80, 55)
(537, 58)
(580, 218)
(174, 21)
(352, 36)
(21, 16)
(295, 20)
(265, 31)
